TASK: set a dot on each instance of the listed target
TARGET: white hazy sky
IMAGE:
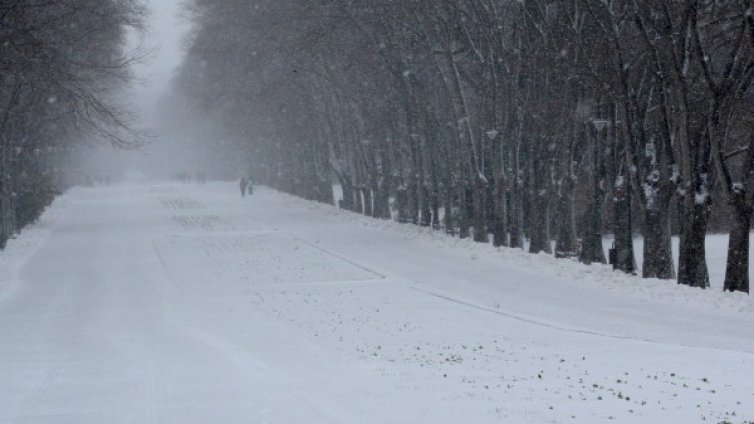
(164, 35)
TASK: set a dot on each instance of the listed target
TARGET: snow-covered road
(170, 303)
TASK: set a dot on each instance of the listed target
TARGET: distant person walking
(250, 184)
(242, 185)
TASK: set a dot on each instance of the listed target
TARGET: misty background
(538, 128)
(164, 152)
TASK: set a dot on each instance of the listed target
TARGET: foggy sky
(164, 35)
(163, 38)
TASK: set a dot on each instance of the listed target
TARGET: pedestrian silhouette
(242, 185)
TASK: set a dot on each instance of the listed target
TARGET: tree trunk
(692, 261)
(325, 191)
(538, 225)
(448, 203)
(500, 212)
(402, 200)
(426, 211)
(413, 185)
(4, 198)
(435, 198)
(737, 266)
(367, 193)
(4, 232)
(658, 253)
(517, 196)
(348, 196)
(480, 195)
(566, 245)
(382, 190)
(499, 209)
(516, 220)
(463, 210)
(382, 203)
(539, 240)
(358, 205)
(624, 259)
(447, 187)
(591, 244)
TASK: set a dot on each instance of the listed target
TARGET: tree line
(61, 63)
(519, 122)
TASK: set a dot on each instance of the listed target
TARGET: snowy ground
(716, 245)
(169, 303)
(717, 252)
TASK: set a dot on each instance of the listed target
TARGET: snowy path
(186, 304)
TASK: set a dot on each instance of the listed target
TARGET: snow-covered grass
(716, 246)
(168, 303)
(596, 276)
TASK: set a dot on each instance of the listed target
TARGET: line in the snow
(341, 257)
(533, 321)
(333, 283)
